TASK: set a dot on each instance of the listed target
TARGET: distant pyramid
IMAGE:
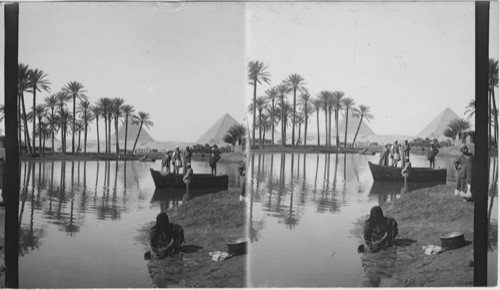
(131, 135)
(352, 126)
(437, 126)
(215, 134)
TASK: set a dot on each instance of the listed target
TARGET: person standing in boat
(188, 177)
(384, 156)
(165, 162)
(395, 154)
(187, 158)
(165, 238)
(405, 151)
(177, 160)
(406, 168)
(378, 232)
(212, 161)
(431, 155)
(463, 164)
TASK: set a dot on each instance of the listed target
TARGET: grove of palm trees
(69, 112)
(279, 106)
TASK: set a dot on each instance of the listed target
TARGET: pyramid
(436, 127)
(131, 135)
(217, 131)
(352, 126)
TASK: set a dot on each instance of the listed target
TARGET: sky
(406, 61)
(185, 63)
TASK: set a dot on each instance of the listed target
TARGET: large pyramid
(131, 135)
(352, 126)
(215, 134)
(436, 127)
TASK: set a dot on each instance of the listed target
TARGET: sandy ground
(209, 222)
(423, 215)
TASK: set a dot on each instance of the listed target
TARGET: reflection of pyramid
(215, 134)
(352, 126)
(436, 127)
(131, 135)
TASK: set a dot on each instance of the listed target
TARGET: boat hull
(198, 180)
(417, 174)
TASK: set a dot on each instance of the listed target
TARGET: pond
(81, 222)
(306, 212)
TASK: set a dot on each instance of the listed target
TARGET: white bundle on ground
(432, 250)
(219, 256)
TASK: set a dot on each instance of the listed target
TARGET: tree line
(274, 108)
(53, 116)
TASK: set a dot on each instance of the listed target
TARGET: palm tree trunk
(43, 150)
(34, 119)
(317, 121)
(137, 138)
(298, 135)
(39, 136)
(74, 120)
(330, 126)
(25, 121)
(116, 133)
(346, 122)
(254, 109)
(294, 113)
(98, 143)
(326, 126)
(489, 120)
(52, 128)
(126, 129)
(85, 134)
(337, 127)
(110, 119)
(495, 115)
(61, 127)
(357, 130)
(19, 122)
(305, 129)
(105, 132)
(79, 135)
(260, 127)
(272, 123)
(283, 136)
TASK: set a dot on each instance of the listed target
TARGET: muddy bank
(423, 215)
(209, 222)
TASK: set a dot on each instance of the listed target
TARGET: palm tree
(317, 103)
(117, 113)
(51, 103)
(470, 109)
(38, 82)
(79, 127)
(300, 120)
(286, 113)
(234, 134)
(337, 105)
(104, 106)
(456, 127)
(348, 104)
(141, 119)
(65, 118)
(96, 112)
(272, 94)
(492, 83)
(305, 102)
(127, 110)
(23, 84)
(75, 90)
(62, 98)
(362, 112)
(283, 89)
(325, 97)
(260, 103)
(84, 109)
(256, 74)
(296, 83)
(39, 112)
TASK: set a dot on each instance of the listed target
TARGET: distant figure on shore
(405, 151)
(242, 170)
(395, 154)
(431, 155)
(378, 232)
(187, 157)
(165, 238)
(214, 158)
(463, 164)
(406, 168)
(165, 162)
(177, 160)
(384, 155)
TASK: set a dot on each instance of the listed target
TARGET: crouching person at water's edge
(165, 238)
(379, 231)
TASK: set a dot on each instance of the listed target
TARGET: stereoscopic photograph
(249, 144)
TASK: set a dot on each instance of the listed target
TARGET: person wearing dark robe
(431, 155)
(463, 164)
(165, 238)
(187, 158)
(384, 156)
(406, 168)
(242, 171)
(214, 158)
(379, 231)
(165, 162)
(405, 151)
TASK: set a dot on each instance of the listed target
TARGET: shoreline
(209, 222)
(422, 216)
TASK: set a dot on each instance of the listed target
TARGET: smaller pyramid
(132, 131)
(215, 134)
(352, 126)
(436, 127)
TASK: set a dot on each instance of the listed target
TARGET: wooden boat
(417, 174)
(173, 180)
